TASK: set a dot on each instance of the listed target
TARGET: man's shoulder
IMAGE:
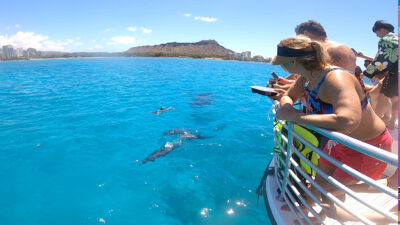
(341, 55)
(332, 45)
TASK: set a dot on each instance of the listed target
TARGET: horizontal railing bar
(284, 138)
(353, 143)
(345, 167)
(359, 146)
(304, 202)
(332, 197)
(317, 201)
(293, 210)
(343, 187)
(301, 197)
(296, 204)
(349, 170)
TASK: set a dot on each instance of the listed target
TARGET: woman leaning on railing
(337, 101)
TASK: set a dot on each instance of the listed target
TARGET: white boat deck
(381, 200)
(371, 208)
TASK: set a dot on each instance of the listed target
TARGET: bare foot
(313, 220)
(285, 208)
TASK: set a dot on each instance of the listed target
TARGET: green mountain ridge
(201, 49)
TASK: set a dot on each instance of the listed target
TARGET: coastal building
(237, 56)
(19, 52)
(31, 52)
(246, 55)
(231, 55)
(8, 51)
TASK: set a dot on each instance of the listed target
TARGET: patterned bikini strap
(323, 79)
(358, 78)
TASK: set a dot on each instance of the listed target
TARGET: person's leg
(390, 124)
(314, 191)
(383, 107)
(329, 208)
(393, 181)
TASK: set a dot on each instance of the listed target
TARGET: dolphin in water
(201, 99)
(185, 134)
(161, 110)
(175, 131)
(162, 151)
(189, 136)
(169, 146)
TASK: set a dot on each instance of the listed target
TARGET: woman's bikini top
(314, 105)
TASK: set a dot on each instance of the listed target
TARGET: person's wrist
(297, 117)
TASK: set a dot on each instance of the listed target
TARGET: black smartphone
(355, 52)
(264, 91)
(274, 75)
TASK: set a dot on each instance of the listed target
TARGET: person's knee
(392, 181)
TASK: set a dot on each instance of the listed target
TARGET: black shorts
(390, 85)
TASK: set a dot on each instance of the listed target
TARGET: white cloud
(98, 46)
(78, 38)
(78, 43)
(54, 45)
(24, 40)
(93, 41)
(145, 31)
(133, 29)
(205, 19)
(40, 42)
(188, 14)
(17, 25)
(124, 40)
(208, 19)
(107, 30)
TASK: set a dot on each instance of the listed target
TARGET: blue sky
(117, 25)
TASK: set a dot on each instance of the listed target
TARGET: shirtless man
(340, 54)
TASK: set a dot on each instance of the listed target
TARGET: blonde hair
(315, 60)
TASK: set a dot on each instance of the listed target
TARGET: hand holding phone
(274, 75)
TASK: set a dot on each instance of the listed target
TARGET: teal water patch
(74, 132)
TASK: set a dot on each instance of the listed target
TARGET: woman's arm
(338, 89)
(295, 92)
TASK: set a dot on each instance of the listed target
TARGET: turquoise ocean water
(73, 133)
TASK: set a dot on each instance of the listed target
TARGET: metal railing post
(287, 161)
(284, 184)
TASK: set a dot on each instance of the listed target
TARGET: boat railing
(290, 189)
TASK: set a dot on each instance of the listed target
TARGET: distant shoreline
(33, 59)
(73, 58)
(205, 49)
(91, 57)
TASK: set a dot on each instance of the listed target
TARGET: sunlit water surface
(73, 134)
